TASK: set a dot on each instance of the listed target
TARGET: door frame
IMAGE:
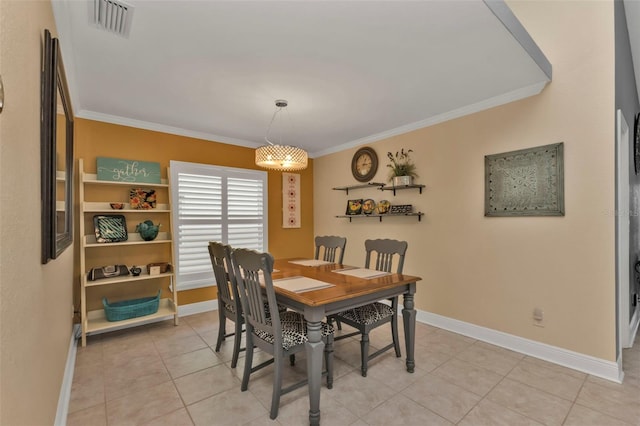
(623, 229)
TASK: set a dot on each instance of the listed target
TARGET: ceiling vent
(113, 16)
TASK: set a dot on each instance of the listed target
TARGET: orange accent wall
(98, 139)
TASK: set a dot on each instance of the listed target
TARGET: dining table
(317, 288)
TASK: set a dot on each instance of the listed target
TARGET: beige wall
(492, 272)
(35, 299)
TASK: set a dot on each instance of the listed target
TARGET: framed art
(354, 207)
(56, 153)
(291, 200)
(527, 182)
(121, 170)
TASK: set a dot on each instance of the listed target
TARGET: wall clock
(636, 143)
(364, 164)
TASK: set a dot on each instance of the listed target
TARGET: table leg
(315, 351)
(409, 319)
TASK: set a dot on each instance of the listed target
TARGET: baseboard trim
(67, 379)
(608, 370)
(620, 371)
(197, 308)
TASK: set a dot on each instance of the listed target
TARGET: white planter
(402, 180)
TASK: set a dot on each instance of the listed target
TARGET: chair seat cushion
(294, 330)
(231, 308)
(368, 314)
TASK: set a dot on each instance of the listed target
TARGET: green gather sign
(119, 170)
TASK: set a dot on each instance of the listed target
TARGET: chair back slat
(330, 246)
(227, 290)
(253, 270)
(385, 251)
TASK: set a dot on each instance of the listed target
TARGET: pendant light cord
(273, 118)
(280, 105)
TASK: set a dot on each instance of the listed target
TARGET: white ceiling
(352, 71)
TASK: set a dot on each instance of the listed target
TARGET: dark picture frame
(527, 182)
(56, 153)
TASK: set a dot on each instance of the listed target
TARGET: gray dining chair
(380, 255)
(282, 334)
(228, 299)
(330, 245)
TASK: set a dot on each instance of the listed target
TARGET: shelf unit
(91, 252)
(381, 187)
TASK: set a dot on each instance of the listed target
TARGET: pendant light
(278, 156)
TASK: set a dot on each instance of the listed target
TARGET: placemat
(361, 272)
(310, 262)
(300, 284)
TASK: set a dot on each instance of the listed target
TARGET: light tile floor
(161, 374)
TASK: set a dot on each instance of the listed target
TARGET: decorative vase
(402, 180)
(147, 230)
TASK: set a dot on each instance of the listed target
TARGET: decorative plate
(368, 206)
(383, 207)
(354, 207)
(142, 198)
(110, 228)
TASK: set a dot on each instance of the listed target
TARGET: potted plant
(402, 168)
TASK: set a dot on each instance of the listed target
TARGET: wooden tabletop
(345, 286)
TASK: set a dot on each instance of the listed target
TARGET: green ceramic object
(147, 230)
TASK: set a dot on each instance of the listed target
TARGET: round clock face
(364, 164)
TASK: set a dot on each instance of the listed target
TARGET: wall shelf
(380, 216)
(394, 188)
(381, 187)
(376, 185)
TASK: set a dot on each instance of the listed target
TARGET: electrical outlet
(538, 317)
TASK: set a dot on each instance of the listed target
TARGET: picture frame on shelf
(401, 209)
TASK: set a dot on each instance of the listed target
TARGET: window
(214, 203)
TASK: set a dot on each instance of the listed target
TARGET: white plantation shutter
(213, 203)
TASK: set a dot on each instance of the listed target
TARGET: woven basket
(127, 309)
